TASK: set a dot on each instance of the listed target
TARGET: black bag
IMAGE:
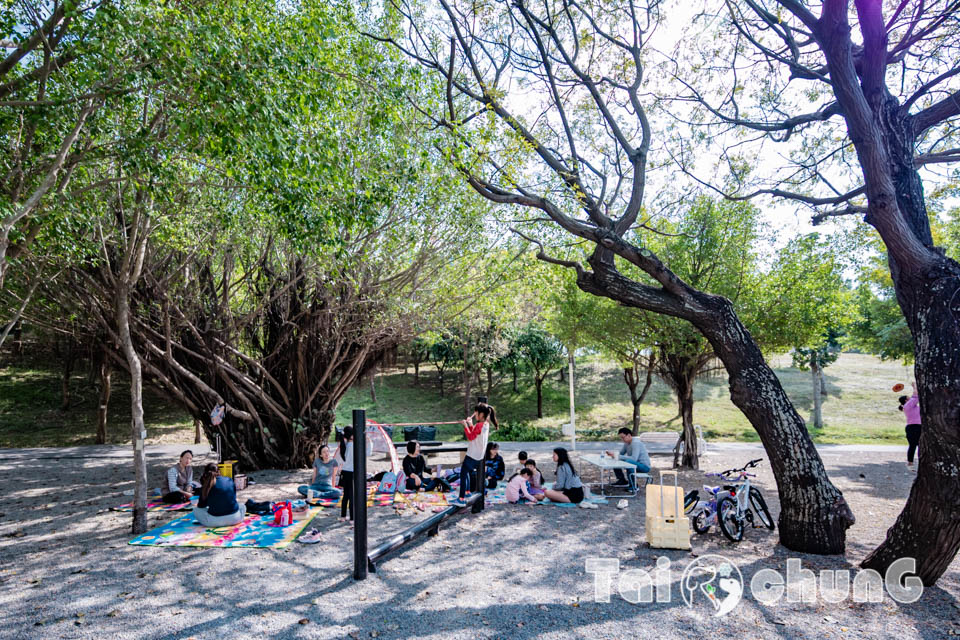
(411, 433)
(428, 433)
(259, 508)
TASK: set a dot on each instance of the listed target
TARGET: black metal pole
(359, 495)
(429, 526)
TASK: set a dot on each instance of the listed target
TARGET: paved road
(201, 450)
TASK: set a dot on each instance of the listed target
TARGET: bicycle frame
(740, 491)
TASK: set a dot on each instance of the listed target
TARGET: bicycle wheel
(730, 522)
(699, 522)
(760, 507)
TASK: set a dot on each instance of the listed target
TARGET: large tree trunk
(197, 431)
(489, 381)
(814, 516)
(416, 372)
(885, 135)
(817, 375)
(440, 375)
(928, 528)
(106, 370)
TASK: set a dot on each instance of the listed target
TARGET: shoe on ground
(457, 503)
(620, 483)
(623, 504)
(312, 537)
(587, 505)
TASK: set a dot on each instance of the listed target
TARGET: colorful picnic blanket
(254, 532)
(402, 499)
(161, 506)
(373, 498)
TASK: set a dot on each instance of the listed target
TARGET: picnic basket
(667, 526)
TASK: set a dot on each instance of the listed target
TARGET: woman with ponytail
(218, 506)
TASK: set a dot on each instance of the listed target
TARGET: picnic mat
(374, 499)
(254, 532)
(588, 498)
(160, 506)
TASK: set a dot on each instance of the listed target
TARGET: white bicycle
(737, 504)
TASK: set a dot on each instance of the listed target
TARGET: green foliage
(540, 351)
(523, 432)
(878, 325)
(823, 354)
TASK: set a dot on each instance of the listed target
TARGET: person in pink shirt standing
(911, 411)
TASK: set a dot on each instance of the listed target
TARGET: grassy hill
(859, 407)
(30, 414)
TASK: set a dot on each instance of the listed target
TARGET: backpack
(282, 514)
(388, 484)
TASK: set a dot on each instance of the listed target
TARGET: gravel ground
(510, 572)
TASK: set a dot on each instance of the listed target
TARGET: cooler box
(227, 468)
(667, 526)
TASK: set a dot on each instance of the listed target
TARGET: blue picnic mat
(254, 532)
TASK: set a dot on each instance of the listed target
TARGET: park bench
(445, 448)
(668, 442)
(434, 447)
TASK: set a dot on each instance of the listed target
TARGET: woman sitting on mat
(218, 500)
(476, 428)
(324, 472)
(495, 467)
(517, 492)
(568, 487)
(180, 485)
(535, 486)
(418, 473)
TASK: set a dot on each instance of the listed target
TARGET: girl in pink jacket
(517, 488)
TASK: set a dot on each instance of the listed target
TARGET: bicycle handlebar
(742, 469)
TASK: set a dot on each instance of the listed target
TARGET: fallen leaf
(304, 621)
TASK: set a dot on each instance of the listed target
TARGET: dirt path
(510, 572)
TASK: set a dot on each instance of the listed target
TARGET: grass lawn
(859, 407)
(30, 413)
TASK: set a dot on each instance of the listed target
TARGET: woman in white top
(476, 428)
(345, 458)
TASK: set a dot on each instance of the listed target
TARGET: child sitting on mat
(418, 473)
(495, 468)
(517, 488)
(522, 457)
(535, 486)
